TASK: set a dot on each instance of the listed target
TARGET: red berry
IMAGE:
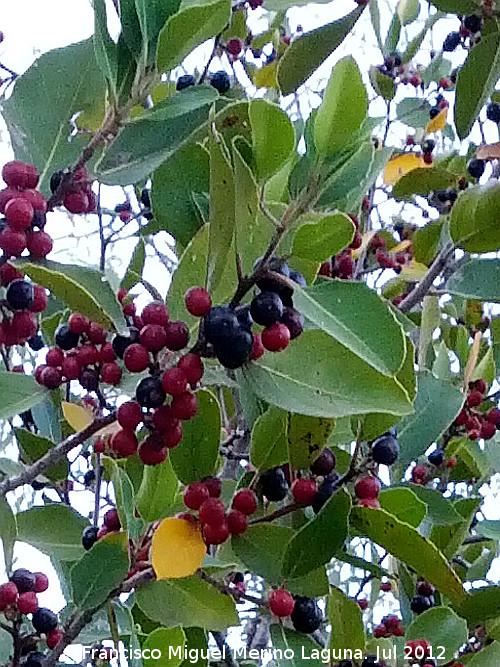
(276, 337)
(76, 202)
(386, 587)
(87, 355)
(367, 487)
(41, 582)
(36, 199)
(487, 430)
(493, 416)
(96, 334)
(174, 382)
(473, 423)
(474, 434)
(184, 406)
(70, 368)
(8, 594)
(27, 603)
(425, 588)
(198, 301)
(121, 294)
(173, 436)
(129, 309)
(136, 358)
(214, 486)
(149, 454)
(415, 80)
(380, 631)
(9, 273)
(461, 419)
(304, 490)
(212, 512)
(78, 324)
(12, 243)
(195, 495)
(237, 522)
(55, 357)
(281, 603)
(419, 475)
(16, 174)
(258, 348)
(177, 335)
(215, 534)
(234, 47)
(24, 324)
(6, 195)
(373, 503)
(444, 82)
(124, 443)
(481, 386)
(363, 604)
(474, 398)
(99, 446)
(129, 415)
(38, 373)
(452, 462)
(106, 353)
(245, 501)
(155, 313)
(19, 213)
(163, 419)
(54, 637)
(427, 158)
(192, 366)
(125, 216)
(111, 373)
(102, 532)
(153, 337)
(112, 520)
(345, 265)
(41, 300)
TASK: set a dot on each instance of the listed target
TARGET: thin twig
(425, 284)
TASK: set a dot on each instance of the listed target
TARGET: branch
(425, 284)
(224, 649)
(54, 455)
(283, 511)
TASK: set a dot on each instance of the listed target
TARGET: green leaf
(301, 650)
(152, 15)
(317, 542)
(476, 81)
(489, 655)
(306, 438)
(415, 44)
(375, 20)
(426, 241)
(246, 203)
(192, 26)
(34, 446)
(269, 444)
(317, 241)
(437, 404)
(456, 6)
(131, 28)
(406, 544)
(148, 140)
(485, 368)
(100, 571)
(82, 289)
(413, 111)
(222, 211)
(382, 83)
(190, 602)
(407, 11)
(440, 510)
(55, 529)
(477, 279)
(393, 35)
(480, 605)
(334, 128)
(441, 627)
(449, 538)
(347, 625)
(197, 455)
(60, 84)
(157, 492)
(403, 504)
(273, 136)
(133, 274)
(489, 528)
(167, 643)
(473, 218)
(105, 48)
(319, 377)
(307, 53)
(20, 392)
(334, 307)
(185, 173)
(125, 502)
(422, 182)
(8, 532)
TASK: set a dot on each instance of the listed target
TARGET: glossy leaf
(269, 445)
(157, 492)
(8, 532)
(407, 11)
(293, 649)
(317, 241)
(347, 625)
(403, 504)
(177, 549)
(441, 627)
(168, 643)
(382, 83)
(105, 48)
(440, 510)
(20, 393)
(472, 224)
(273, 137)
(422, 182)
(480, 605)
(306, 438)
(34, 446)
(477, 279)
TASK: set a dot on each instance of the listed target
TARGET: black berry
(436, 458)
(89, 379)
(385, 450)
(433, 112)
(294, 322)
(35, 659)
(428, 146)
(273, 484)
(237, 350)
(473, 23)
(493, 112)
(55, 180)
(44, 621)
(121, 342)
(298, 278)
(24, 580)
(36, 343)
(271, 285)
(421, 603)
(89, 537)
(64, 338)
(20, 295)
(220, 81)
(220, 324)
(476, 168)
(326, 489)
(185, 81)
(89, 478)
(306, 615)
(452, 41)
(244, 317)
(324, 463)
(146, 197)
(149, 393)
(266, 308)
(370, 661)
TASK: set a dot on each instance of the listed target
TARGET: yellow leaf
(401, 165)
(437, 123)
(401, 247)
(413, 271)
(265, 77)
(177, 549)
(77, 416)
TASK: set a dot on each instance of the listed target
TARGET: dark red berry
(184, 406)
(149, 454)
(177, 335)
(112, 520)
(153, 337)
(70, 368)
(55, 357)
(41, 582)
(76, 202)
(493, 416)
(124, 443)
(12, 243)
(19, 213)
(214, 486)
(281, 603)
(51, 377)
(212, 512)
(386, 587)
(96, 334)
(245, 501)
(174, 382)
(215, 533)
(198, 301)
(39, 244)
(129, 415)
(304, 490)
(367, 487)
(474, 398)
(276, 337)
(40, 299)
(192, 366)
(425, 588)
(481, 386)
(111, 373)
(487, 430)
(237, 522)
(54, 637)
(78, 324)
(154, 313)
(8, 594)
(195, 495)
(87, 355)
(136, 358)
(258, 348)
(324, 463)
(27, 603)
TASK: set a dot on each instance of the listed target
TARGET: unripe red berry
(174, 382)
(40, 301)
(427, 158)
(481, 386)
(173, 436)
(12, 243)
(129, 415)
(380, 631)
(304, 490)
(124, 443)
(487, 430)
(415, 80)
(19, 213)
(245, 501)
(106, 353)
(27, 603)
(276, 337)
(51, 377)
(461, 418)
(39, 244)
(16, 174)
(136, 358)
(419, 475)
(78, 323)
(177, 335)
(363, 604)
(41, 582)
(212, 512)
(444, 82)
(70, 368)
(452, 462)
(234, 46)
(192, 366)
(163, 419)
(121, 294)
(24, 324)
(9, 273)
(76, 202)
(474, 434)
(153, 337)
(55, 357)
(214, 486)
(367, 487)
(215, 534)
(96, 334)
(258, 348)
(111, 373)
(386, 587)
(184, 406)
(112, 520)
(87, 355)
(149, 454)
(281, 603)
(493, 416)
(8, 594)
(474, 398)
(99, 446)
(36, 199)
(237, 522)
(155, 313)
(129, 309)
(198, 301)
(195, 495)
(53, 638)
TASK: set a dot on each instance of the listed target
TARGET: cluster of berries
(304, 612)
(390, 626)
(443, 200)
(217, 524)
(342, 265)
(124, 211)
(219, 80)
(18, 597)
(399, 72)
(23, 300)
(470, 28)
(228, 330)
(477, 422)
(111, 524)
(387, 259)
(441, 102)
(79, 198)
(419, 652)
(24, 208)
(424, 599)
(81, 353)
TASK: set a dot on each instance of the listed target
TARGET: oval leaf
(177, 550)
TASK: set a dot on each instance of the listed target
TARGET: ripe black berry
(89, 379)
(433, 112)
(370, 661)
(421, 603)
(452, 41)
(20, 295)
(64, 338)
(55, 180)
(294, 322)
(298, 278)
(476, 168)
(35, 659)
(146, 197)
(324, 463)
(436, 458)
(44, 621)
(89, 537)
(473, 23)
(306, 615)
(244, 317)
(428, 146)
(24, 580)
(326, 489)
(121, 342)
(385, 450)
(270, 285)
(149, 393)
(220, 324)
(220, 81)
(236, 350)
(36, 343)
(493, 112)
(273, 484)
(89, 477)
(266, 308)
(185, 81)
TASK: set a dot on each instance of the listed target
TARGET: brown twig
(282, 511)
(437, 266)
